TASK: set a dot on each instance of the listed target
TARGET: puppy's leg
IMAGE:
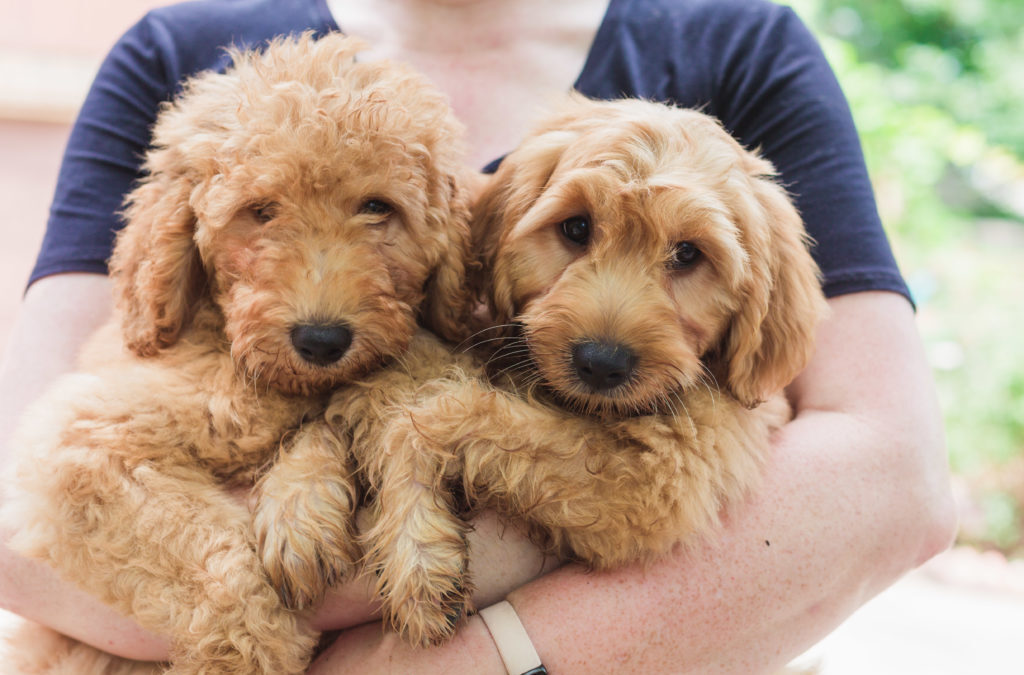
(304, 515)
(416, 544)
(168, 546)
(604, 493)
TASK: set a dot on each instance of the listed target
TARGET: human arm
(57, 315)
(856, 494)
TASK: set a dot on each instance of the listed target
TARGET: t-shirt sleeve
(144, 69)
(777, 93)
(103, 155)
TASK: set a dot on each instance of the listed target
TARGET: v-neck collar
(601, 38)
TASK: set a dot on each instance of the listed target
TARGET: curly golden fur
(300, 216)
(653, 293)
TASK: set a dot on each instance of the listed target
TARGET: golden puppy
(653, 294)
(300, 214)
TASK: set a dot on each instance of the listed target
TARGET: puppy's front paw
(424, 599)
(305, 536)
(431, 621)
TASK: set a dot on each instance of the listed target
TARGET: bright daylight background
(938, 94)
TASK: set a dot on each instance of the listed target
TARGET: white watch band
(514, 645)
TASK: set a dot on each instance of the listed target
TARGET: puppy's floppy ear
(503, 202)
(489, 219)
(771, 338)
(448, 302)
(157, 272)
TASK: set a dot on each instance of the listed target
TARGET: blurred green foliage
(937, 92)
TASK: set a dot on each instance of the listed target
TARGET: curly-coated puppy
(653, 294)
(301, 215)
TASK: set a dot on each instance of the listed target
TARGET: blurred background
(937, 90)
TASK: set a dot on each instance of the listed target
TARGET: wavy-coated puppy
(653, 294)
(301, 216)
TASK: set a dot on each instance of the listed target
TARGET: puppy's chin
(605, 405)
(304, 380)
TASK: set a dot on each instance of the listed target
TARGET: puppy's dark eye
(684, 255)
(376, 207)
(575, 229)
(264, 213)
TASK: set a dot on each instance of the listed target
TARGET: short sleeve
(103, 155)
(145, 68)
(777, 93)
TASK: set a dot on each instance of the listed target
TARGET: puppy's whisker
(481, 343)
(507, 352)
(675, 402)
(497, 326)
(513, 339)
(670, 405)
(534, 376)
(529, 384)
(481, 332)
(514, 352)
(519, 354)
(513, 336)
(526, 386)
(663, 407)
(689, 418)
(508, 343)
(520, 366)
(703, 377)
(707, 371)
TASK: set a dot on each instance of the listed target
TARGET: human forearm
(57, 316)
(791, 565)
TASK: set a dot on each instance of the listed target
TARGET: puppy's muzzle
(602, 365)
(321, 344)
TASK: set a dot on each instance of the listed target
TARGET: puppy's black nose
(321, 344)
(601, 365)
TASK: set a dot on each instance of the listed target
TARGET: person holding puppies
(855, 490)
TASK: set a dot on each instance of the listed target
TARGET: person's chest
(501, 94)
(501, 64)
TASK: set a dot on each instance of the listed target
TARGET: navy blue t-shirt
(750, 63)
